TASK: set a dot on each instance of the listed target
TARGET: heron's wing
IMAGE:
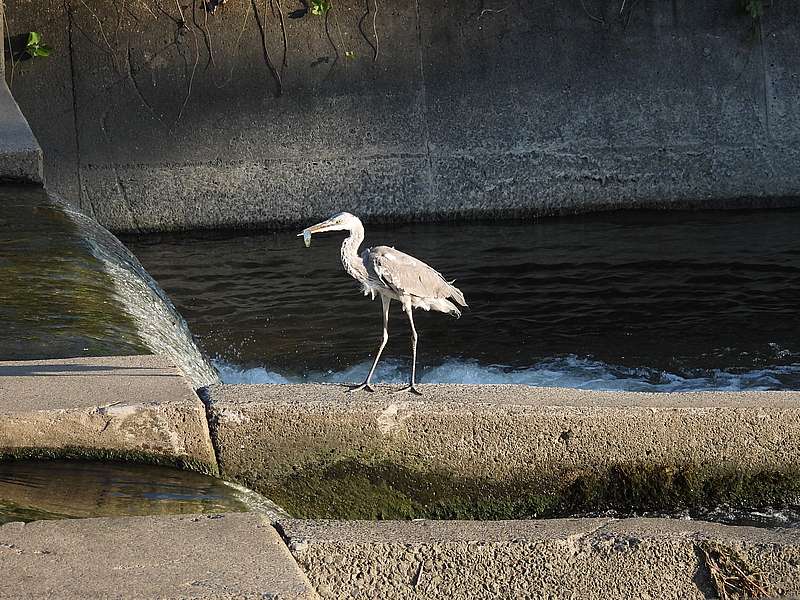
(407, 275)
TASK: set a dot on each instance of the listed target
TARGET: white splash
(567, 371)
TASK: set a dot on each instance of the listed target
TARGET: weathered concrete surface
(129, 406)
(525, 440)
(222, 557)
(499, 430)
(581, 558)
(20, 154)
(43, 88)
(471, 109)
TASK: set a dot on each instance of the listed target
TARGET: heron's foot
(364, 386)
(409, 388)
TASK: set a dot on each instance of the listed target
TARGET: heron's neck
(350, 259)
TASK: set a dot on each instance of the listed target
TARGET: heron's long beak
(318, 228)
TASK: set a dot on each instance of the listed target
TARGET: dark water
(69, 288)
(35, 490)
(641, 300)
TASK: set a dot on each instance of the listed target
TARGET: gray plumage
(392, 275)
(407, 277)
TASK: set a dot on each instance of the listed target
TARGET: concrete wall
(471, 108)
(503, 451)
(20, 154)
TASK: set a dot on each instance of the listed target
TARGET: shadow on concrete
(77, 370)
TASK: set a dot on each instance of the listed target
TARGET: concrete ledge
(320, 452)
(127, 407)
(580, 558)
(20, 154)
(221, 557)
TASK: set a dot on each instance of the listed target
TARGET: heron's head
(342, 222)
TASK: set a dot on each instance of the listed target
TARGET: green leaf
(42, 51)
(33, 38)
(320, 7)
(753, 8)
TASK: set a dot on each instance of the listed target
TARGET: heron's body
(392, 275)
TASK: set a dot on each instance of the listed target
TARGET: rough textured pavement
(219, 556)
(126, 405)
(579, 558)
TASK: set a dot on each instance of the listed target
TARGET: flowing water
(648, 301)
(35, 490)
(69, 288)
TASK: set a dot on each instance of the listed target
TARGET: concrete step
(219, 556)
(503, 451)
(130, 407)
(558, 558)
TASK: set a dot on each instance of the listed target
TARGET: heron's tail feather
(456, 295)
(445, 306)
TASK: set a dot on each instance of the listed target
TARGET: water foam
(566, 371)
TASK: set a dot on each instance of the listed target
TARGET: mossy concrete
(145, 457)
(70, 288)
(58, 299)
(495, 452)
(575, 558)
(129, 407)
(352, 490)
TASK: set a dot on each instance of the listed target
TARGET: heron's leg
(412, 387)
(367, 385)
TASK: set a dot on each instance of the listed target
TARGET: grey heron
(392, 275)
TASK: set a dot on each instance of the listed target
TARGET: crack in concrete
(211, 427)
(126, 202)
(278, 527)
(553, 152)
(764, 78)
(424, 92)
(71, 58)
(137, 89)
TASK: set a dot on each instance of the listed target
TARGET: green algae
(71, 289)
(350, 489)
(687, 486)
(57, 300)
(11, 512)
(85, 453)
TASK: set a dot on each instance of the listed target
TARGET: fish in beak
(328, 225)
